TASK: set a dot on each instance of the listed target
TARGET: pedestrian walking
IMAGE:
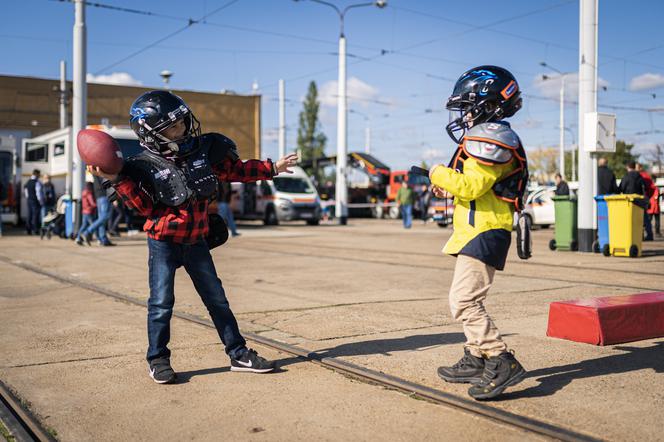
(405, 199)
(224, 196)
(33, 193)
(487, 177)
(424, 201)
(88, 209)
(177, 218)
(103, 213)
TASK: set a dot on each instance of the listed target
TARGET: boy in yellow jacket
(487, 177)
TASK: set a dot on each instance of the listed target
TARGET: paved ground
(369, 293)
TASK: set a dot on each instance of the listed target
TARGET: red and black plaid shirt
(188, 222)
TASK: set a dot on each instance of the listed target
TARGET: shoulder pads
(491, 142)
(219, 147)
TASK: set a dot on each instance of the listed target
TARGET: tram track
(525, 423)
(18, 420)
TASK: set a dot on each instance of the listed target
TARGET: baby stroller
(54, 221)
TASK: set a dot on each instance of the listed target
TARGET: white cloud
(646, 81)
(358, 92)
(121, 78)
(551, 86)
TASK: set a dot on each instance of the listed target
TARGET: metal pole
(587, 103)
(561, 161)
(282, 120)
(79, 111)
(63, 94)
(341, 197)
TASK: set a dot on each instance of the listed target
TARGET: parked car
(539, 206)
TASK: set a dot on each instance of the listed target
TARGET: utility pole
(282, 120)
(341, 192)
(587, 103)
(79, 101)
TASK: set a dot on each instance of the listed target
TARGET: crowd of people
(636, 181)
(101, 218)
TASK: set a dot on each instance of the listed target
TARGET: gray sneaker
(469, 369)
(500, 372)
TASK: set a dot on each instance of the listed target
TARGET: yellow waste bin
(625, 224)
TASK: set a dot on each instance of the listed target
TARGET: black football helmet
(482, 94)
(155, 111)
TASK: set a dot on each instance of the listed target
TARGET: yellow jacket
(477, 209)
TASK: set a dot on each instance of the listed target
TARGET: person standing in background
(650, 190)
(46, 197)
(606, 180)
(405, 199)
(32, 192)
(562, 189)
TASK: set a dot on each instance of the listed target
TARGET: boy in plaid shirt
(171, 184)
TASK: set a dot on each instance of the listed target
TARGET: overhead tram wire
(190, 23)
(488, 25)
(522, 37)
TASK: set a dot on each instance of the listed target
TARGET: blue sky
(401, 60)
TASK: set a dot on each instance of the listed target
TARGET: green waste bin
(565, 236)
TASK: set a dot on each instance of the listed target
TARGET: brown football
(99, 149)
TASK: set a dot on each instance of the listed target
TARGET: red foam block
(608, 320)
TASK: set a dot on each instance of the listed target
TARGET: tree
(310, 140)
(619, 159)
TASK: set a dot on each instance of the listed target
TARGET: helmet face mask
(482, 94)
(155, 112)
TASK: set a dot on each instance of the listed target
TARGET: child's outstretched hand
(95, 170)
(441, 193)
(284, 163)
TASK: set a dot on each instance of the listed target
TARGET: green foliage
(619, 159)
(310, 140)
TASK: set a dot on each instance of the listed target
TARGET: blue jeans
(165, 258)
(103, 213)
(407, 215)
(43, 211)
(33, 222)
(224, 211)
(87, 220)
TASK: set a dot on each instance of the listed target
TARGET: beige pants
(472, 280)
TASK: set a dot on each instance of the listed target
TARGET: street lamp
(341, 198)
(563, 75)
(166, 76)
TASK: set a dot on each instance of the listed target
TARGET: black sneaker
(107, 244)
(250, 361)
(500, 372)
(79, 241)
(88, 238)
(161, 371)
(469, 369)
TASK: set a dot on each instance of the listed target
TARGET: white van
(288, 197)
